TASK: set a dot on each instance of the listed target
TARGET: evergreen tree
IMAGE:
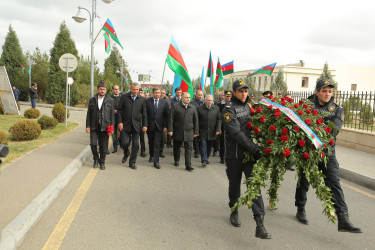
(113, 66)
(56, 77)
(279, 84)
(13, 59)
(39, 67)
(326, 74)
(251, 85)
(168, 87)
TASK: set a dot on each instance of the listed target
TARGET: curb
(357, 178)
(51, 106)
(15, 232)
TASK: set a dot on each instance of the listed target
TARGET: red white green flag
(108, 27)
(107, 43)
(219, 75)
(23, 69)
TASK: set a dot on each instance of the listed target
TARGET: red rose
(319, 128)
(306, 156)
(331, 142)
(305, 106)
(301, 143)
(290, 108)
(256, 130)
(308, 121)
(300, 112)
(301, 102)
(290, 100)
(286, 152)
(249, 125)
(318, 122)
(296, 105)
(267, 150)
(315, 112)
(285, 131)
(288, 119)
(328, 130)
(308, 111)
(258, 110)
(272, 128)
(270, 96)
(325, 145)
(252, 111)
(282, 99)
(269, 142)
(277, 114)
(262, 119)
(296, 128)
(321, 155)
(270, 107)
(283, 103)
(284, 138)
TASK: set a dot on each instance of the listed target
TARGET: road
(171, 208)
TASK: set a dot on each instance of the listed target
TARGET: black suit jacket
(174, 101)
(209, 122)
(103, 117)
(158, 120)
(183, 122)
(132, 113)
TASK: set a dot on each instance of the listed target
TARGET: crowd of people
(200, 125)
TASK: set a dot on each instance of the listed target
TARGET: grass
(17, 149)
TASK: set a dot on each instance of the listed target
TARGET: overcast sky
(252, 33)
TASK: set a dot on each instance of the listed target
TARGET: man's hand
(221, 132)
(115, 111)
(87, 130)
(120, 126)
(196, 135)
(170, 133)
(165, 130)
(144, 129)
(218, 133)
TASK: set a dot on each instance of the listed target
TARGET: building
(302, 76)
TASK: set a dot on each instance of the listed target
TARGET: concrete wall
(357, 139)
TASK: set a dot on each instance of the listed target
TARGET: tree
(39, 71)
(251, 85)
(13, 59)
(279, 84)
(115, 69)
(326, 74)
(168, 87)
(56, 77)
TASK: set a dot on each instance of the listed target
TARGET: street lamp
(79, 19)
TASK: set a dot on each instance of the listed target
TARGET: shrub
(25, 130)
(3, 137)
(58, 112)
(31, 113)
(47, 122)
(1, 109)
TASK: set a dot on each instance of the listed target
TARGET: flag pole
(162, 78)
(97, 35)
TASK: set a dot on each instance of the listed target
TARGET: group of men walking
(196, 125)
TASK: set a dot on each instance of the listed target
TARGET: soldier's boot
(345, 225)
(301, 215)
(234, 219)
(260, 231)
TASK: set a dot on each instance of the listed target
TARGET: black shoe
(301, 215)
(114, 150)
(157, 165)
(204, 164)
(102, 166)
(151, 159)
(132, 166)
(162, 155)
(96, 163)
(260, 231)
(125, 158)
(222, 161)
(108, 152)
(169, 145)
(189, 169)
(196, 155)
(345, 225)
(176, 163)
(207, 162)
(214, 154)
(234, 219)
(143, 154)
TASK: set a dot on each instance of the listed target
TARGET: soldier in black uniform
(222, 104)
(236, 115)
(323, 102)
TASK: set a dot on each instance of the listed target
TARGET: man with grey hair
(209, 127)
(183, 127)
(132, 116)
(197, 102)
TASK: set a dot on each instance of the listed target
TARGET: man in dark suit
(183, 127)
(209, 127)
(164, 140)
(116, 100)
(99, 123)
(132, 116)
(157, 117)
(177, 97)
(197, 102)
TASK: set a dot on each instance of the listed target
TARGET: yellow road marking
(358, 190)
(55, 239)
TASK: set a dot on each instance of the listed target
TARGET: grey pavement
(24, 179)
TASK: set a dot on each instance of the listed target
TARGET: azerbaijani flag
(108, 27)
(23, 69)
(107, 43)
(227, 68)
(210, 72)
(201, 87)
(126, 78)
(177, 65)
(219, 75)
(177, 82)
(265, 70)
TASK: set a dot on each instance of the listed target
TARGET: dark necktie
(156, 106)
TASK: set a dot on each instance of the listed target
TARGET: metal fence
(359, 107)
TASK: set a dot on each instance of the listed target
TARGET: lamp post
(79, 19)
